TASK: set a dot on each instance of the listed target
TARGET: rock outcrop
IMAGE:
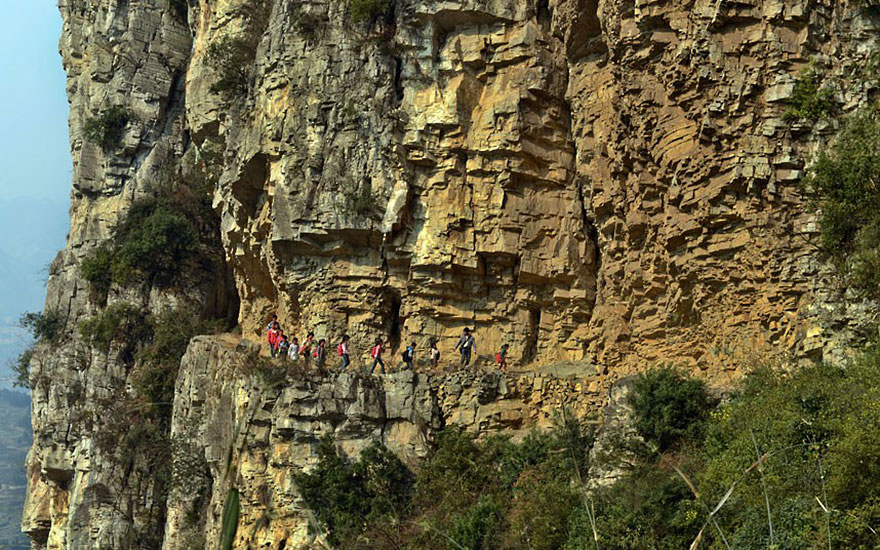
(600, 183)
(254, 436)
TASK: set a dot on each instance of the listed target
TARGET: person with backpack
(434, 355)
(342, 350)
(273, 321)
(466, 345)
(293, 352)
(320, 354)
(409, 355)
(283, 347)
(273, 337)
(501, 357)
(305, 348)
(376, 355)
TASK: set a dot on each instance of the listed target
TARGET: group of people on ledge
(289, 348)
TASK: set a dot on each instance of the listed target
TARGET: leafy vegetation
(159, 236)
(347, 495)
(842, 184)
(494, 494)
(367, 11)
(45, 327)
(107, 128)
(231, 59)
(809, 100)
(789, 460)
(669, 406)
(121, 322)
(20, 367)
(360, 203)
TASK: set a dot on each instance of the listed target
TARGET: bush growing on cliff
(45, 327)
(349, 495)
(107, 128)
(366, 11)
(669, 406)
(121, 322)
(809, 101)
(842, 184)
(152, 242)
(20, 367)
(230, 58)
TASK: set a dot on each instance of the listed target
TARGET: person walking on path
(342, 350)
(283, 347)
(434, 355)
(320, 353)
(272, 322)
(376, 354)
(501, 357)
(466, 345)
(306, 347)
(293, 353)
(409, 355)
(273, 336)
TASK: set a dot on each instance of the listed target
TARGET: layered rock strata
(600, 181)
(254, 436)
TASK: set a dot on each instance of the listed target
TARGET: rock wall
(255, 436)
(604, 184)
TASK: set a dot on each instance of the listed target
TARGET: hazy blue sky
(35, 167)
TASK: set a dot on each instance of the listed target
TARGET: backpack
(498, 357)
(340, 350)
(405, 355)
(375, 352)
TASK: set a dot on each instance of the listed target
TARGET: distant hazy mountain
(15, 438)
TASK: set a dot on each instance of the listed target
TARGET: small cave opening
(393, 324)
(542, 11)
(531, 350)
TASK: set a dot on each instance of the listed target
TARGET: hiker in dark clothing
(342, 350)
(409, 355)
(320, 353)
(466, 345)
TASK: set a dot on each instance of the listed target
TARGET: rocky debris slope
(599, 181)
(238, 431)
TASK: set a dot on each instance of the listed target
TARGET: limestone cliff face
(600, 181)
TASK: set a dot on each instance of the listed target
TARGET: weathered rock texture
(601, 181)
(255, 437)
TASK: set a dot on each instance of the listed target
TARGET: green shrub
(649, 508)
(366, 11)
(159, 356)
(152, 242)
(107, 128)
(540, 511)
(230, 58)
(46, 327)
(347, 496)
(478, 527)
(809, 101)
(841, 183)
(153, 239)
(361, 204)
(122, 322)
(20, 367)
(668, 406)
(96, 268)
